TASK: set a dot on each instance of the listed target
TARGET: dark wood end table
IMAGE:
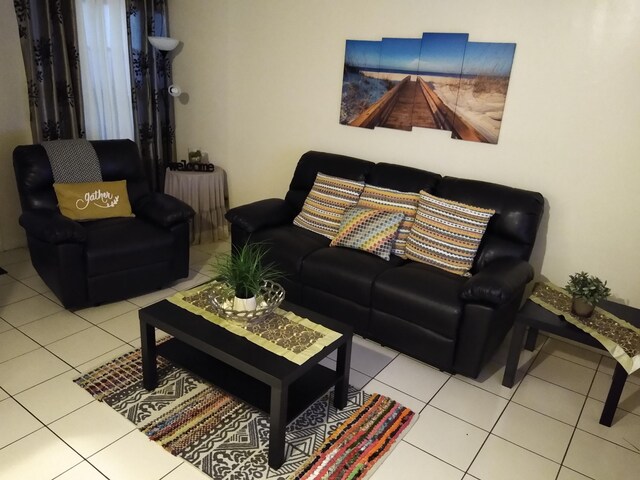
(536, 318)
(261, 378)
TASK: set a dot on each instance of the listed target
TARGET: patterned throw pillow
(447, 234)
(93, 200)
(393, 201)
(326, 202)
(367, 229)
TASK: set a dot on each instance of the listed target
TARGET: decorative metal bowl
(270, 297)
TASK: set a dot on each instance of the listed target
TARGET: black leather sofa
(452, 322)
(93, 262)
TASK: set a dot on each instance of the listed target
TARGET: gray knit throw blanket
(73, 161)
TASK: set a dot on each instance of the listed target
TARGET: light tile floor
(546, 427)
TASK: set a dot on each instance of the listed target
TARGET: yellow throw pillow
(93, 200)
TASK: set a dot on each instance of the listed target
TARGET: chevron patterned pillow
(393, 201)
(369, 230)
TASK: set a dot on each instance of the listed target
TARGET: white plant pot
(244, 304)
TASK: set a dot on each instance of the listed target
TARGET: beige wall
(263, 80)
(14, 125)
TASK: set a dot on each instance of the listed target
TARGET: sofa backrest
(401, 178)
(328, 163)
(512, 229)
(119, 160)
(510, 233)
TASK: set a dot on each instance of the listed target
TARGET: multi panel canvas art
(440, 81)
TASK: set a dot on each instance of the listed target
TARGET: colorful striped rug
(228, 439)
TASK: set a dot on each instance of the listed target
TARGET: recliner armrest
(162, 210)
(52, 227)
(261, 214)
(497, 282)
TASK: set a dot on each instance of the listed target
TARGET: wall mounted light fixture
(165, 45)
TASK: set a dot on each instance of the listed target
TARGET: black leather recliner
(452, 322)
(93, 262)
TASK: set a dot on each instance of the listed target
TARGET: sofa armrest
(51, 227)
(162, 210)
(497, 282)
(261, 214)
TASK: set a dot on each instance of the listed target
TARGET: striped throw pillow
(393, 201)
(369, 230)
(324, 206)
(447, 234)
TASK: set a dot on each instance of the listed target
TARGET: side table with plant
(586, 290)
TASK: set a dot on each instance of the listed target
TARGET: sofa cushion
(118, 244)
(326, 203)
(344, 272)
(369, 230)
(287, 247)
(421, 294)
(447, 234)
(391, 200)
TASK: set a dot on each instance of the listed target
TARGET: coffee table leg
(514, 354)
(148, 347)
(277, 425)
(610, 406)
(343, 367)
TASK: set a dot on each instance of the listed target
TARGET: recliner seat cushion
(345, 273)
(413, 289)
(117, 244)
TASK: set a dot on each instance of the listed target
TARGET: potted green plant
(586, 290)
(245, 271)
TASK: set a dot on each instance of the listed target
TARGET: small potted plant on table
(245, 271)
(586, 290)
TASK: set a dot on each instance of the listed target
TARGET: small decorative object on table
(247, 277)
(587, 290)
(195, 156)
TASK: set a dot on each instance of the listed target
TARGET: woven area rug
(228, 439)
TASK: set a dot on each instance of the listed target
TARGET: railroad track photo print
(439, 81)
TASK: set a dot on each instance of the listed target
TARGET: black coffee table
(537, 318)
(263, 379)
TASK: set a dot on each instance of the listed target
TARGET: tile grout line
(532, 360)
(575, 427)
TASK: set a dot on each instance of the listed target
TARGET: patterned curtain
(150, 78)
(49, 40)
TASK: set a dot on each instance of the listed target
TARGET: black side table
(536, 318)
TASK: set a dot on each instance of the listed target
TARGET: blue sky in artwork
(400, 54)
(443, 53)
(488, 58)
(363, 53)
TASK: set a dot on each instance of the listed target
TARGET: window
(104, 68)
